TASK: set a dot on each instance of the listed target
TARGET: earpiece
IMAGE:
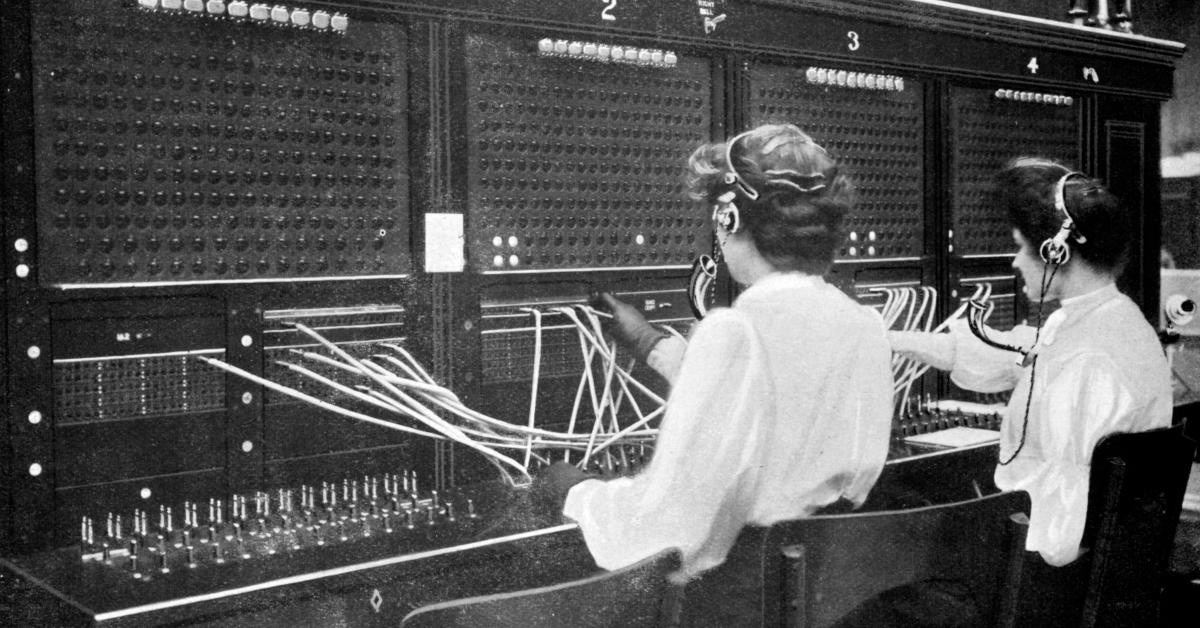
(1057, 250)
(725, 213)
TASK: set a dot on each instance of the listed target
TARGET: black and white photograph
(600, 313)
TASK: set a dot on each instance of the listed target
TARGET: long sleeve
(781, 405)
(936, 350)
(972, 364)
(667, 356)
(1077, 407)
(1099, 370)
(700, 484)
(872, 415)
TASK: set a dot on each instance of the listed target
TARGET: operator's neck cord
(1033, 363)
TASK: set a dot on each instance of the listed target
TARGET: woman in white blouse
(1094, 368)
(780, 404)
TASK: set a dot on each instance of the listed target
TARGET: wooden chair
(813, 572)
(1191, 429)
(1134, 499)
(637, 595)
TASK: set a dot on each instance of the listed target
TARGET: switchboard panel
(173, 147)
(873, 123)
(989, 127)
(127, 382)
(303, 443)
(575, 163)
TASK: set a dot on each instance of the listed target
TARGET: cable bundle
(911, 308)
(407, 399)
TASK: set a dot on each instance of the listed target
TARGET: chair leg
(1100, 563)
(794, 607)
(1010, 603)
(671, 611)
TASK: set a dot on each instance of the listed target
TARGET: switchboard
(192, 187)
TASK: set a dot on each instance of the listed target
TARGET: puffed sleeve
(697, 490)
(1085, 401)
(872, 414)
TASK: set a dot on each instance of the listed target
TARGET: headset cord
(1033, 362)
(718, 256)
(1025, 421)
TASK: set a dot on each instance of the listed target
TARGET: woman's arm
(667, 357)
(1082, 403)
(697, 490)
(972, 364)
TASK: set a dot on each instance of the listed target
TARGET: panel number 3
(853, 44)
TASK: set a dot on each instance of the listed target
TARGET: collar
(779, 281)
(1074, 308)
(785, 280)
(1091, 299)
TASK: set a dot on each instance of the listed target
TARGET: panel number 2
(606, 14)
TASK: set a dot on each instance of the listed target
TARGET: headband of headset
(725, 212)
(1057, 249)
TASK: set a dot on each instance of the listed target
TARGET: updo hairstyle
(796, 221)
(1025, 190)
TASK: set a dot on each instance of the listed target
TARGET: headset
(1057, 249)
(725, 211)
(727, 216)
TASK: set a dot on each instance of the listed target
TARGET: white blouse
(780, 405)
(1100, 369)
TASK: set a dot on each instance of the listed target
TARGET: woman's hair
(796, 221)
(1025, 188)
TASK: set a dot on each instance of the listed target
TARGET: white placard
(444, 243)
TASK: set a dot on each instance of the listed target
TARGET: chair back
(1135, 495)
(1137, 485)
(812, 572)
(634, 596)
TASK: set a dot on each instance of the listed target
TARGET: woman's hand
(551, 486)
(629, 326)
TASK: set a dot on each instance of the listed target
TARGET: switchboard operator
(1094, 368)
(780, 404)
